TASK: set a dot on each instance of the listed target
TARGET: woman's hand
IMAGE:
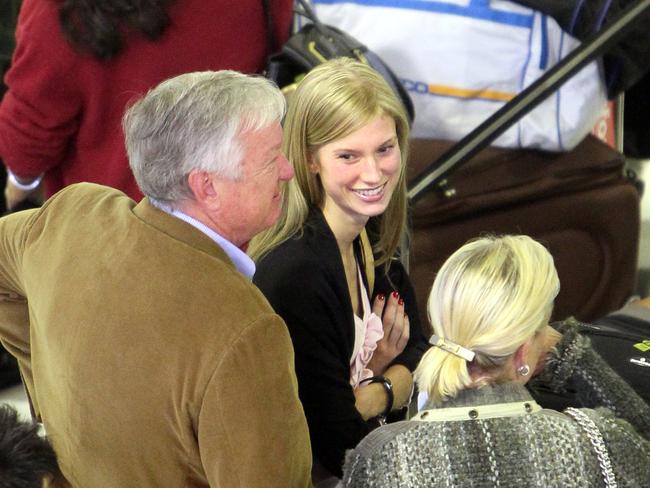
(371, 399)
(396, 327)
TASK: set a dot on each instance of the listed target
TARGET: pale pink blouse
(368, 330)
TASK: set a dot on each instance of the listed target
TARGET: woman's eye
(345, 157)
(386, 149)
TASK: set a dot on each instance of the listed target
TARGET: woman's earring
(523, 370)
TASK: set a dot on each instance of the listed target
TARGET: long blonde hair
(490, 297)
(332, 101)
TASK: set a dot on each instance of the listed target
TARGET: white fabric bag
(463, 60)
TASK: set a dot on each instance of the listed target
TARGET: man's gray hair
(193, 122)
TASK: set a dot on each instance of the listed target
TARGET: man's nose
(286, 170)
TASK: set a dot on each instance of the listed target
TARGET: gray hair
(193, 122)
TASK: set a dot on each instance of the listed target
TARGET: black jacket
(304, 281)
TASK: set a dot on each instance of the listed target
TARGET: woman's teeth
(371, 192)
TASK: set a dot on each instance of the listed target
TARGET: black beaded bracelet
(388, 388)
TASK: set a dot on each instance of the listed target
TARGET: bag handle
(307, 11)
(590, 428)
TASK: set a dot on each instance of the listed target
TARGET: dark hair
(26, 458)
(98, 26)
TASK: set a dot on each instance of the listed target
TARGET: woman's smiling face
(359, 172)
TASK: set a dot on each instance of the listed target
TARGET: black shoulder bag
(316, 43)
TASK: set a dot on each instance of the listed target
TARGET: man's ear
(202, 187)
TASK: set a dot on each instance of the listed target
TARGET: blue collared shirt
(244, 264)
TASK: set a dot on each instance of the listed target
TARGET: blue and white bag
(463, 60)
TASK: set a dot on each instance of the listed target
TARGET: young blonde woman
(329, 266)
(489, 308)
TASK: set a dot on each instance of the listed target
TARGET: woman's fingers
(379, 304)
(406, 333)
(398, 323)
(397, 330)
(394, 321)
(390, 313)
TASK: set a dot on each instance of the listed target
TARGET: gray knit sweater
(542, 449)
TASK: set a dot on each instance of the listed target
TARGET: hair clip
(452, 348)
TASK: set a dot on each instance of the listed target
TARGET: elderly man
(146, 351)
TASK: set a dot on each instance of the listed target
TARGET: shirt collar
(244, 264)
(485, 395)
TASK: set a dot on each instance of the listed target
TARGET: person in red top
(77, 64)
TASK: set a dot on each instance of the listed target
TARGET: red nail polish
(400, 301)
(395, 294)
(381, 297)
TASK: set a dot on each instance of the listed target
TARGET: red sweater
(62, 113)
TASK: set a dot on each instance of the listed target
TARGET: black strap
(305, 10)
(388, 388)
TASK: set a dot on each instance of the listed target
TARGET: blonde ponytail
(489, 297)
(441, 374)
